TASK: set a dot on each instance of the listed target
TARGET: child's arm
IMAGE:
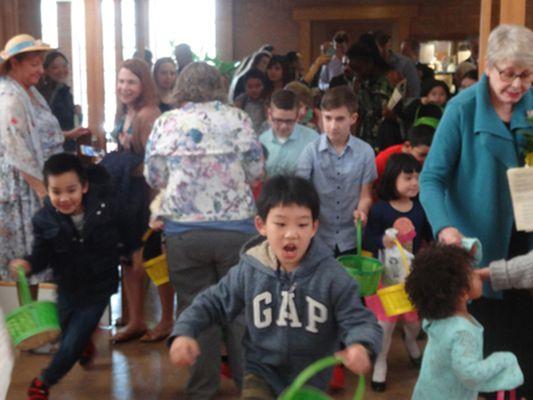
(499, 371)
(41, 254)
(365, 202)
(516, 273)
(357, 324)
(218, 304)
(374, 231)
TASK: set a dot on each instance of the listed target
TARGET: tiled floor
(142, 371)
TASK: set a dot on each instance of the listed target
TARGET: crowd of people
(257, 185)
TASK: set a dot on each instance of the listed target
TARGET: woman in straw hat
(29, 134)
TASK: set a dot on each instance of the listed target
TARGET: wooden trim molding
(400, 16)
(95, 69)
(513, 12)
(485, 17)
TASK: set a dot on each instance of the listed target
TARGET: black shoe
(416, 361)
(378, 386)
(422, 335)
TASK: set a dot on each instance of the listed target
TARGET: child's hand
(483, 273)
(356, 359)
(18, 262)
(388, 242)
(184, 351)
(359, 215)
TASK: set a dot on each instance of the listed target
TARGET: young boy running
(342, 169)
(76, 234)
(298, 302)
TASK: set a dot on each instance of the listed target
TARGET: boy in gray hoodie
(298, 301)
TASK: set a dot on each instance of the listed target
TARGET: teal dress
(464, 180)
(453, 367)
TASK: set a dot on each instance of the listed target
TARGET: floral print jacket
(205, 156)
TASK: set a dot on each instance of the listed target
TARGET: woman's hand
(356, 359)
(184, 351)
(157, 224)
(76, 133)
(450, 235)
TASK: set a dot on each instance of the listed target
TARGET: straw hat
(21, 44)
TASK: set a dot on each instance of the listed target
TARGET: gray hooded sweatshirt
(292, 319)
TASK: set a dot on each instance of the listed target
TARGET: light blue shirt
(283, 156)
(338, 179)
(453, 367)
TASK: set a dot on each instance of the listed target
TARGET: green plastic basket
(297, 391)
(35, 323)
(365, 270)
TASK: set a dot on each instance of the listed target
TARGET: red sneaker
(87, 357)
(337, 379)
(37, 390)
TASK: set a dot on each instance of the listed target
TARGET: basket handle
(403, 255)
(22, 287)
(147, 235)
(316, 367)
(359, 236)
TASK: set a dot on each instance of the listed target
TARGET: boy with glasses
(286, 139)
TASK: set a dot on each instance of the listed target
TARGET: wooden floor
(142, 371)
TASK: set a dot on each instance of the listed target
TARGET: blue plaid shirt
(338, 179)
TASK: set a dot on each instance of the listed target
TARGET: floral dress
(29, 135)
(205, 156)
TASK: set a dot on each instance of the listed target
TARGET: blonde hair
(510, 42)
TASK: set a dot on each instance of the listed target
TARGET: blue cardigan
(464, 183)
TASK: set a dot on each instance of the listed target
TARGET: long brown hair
(148, 96)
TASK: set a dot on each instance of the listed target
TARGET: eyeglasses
(508, 75)
(287, 122)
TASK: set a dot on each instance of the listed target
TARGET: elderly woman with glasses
(464, 189)
(204, 156)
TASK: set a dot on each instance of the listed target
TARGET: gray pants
(197, 260)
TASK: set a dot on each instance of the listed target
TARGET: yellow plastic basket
(157, 267)
(394, 298)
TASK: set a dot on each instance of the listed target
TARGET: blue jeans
(77, 325)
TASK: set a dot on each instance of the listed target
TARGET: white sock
(411, 330)
(380, 367)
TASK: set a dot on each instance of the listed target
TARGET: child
(76, 234)
(435, 95)
(286, 139)
(440, 285)
(342, 170)
(397, 207)
(253, 100)
(298, 302)
(417, 144)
